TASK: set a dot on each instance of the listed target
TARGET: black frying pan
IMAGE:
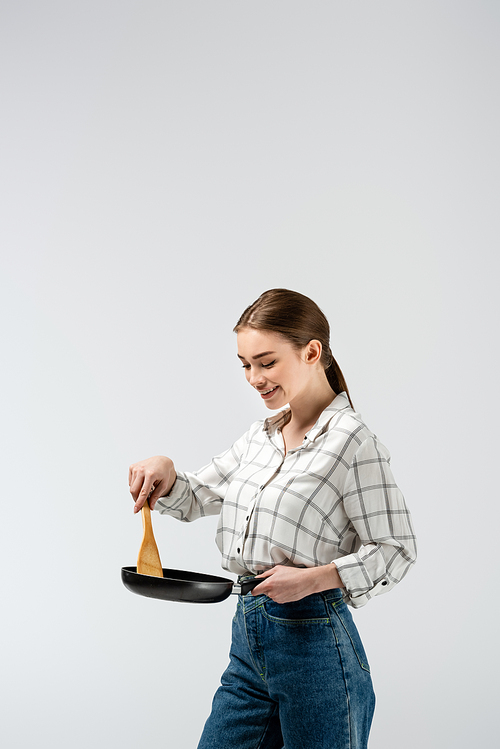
(178, 585)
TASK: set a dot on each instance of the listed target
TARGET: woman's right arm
(190, 495)
(153, 478)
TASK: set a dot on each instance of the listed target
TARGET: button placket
(251, 506)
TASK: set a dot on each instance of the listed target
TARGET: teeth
(265, 392)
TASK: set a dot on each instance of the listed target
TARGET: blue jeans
(298, 678)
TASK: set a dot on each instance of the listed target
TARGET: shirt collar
(278, 421)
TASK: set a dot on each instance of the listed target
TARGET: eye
(267, 366)
(246, 366)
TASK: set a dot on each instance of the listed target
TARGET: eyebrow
(259, 356)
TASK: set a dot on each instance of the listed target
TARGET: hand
(285, 584)
(151, 478)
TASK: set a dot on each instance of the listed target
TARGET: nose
(256, 377)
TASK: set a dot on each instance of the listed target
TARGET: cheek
(291, 381)
(280, 375)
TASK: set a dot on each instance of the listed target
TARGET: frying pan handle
(246, 586)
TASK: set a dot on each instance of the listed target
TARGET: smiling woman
(299, 320)
(283, 374)
(309, 506)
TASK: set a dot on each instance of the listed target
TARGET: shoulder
(349, 423)
(240, 447)
(347, 431)
(256, 431)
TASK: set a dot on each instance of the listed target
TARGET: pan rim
(183, 576)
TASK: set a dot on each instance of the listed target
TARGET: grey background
(163, 163)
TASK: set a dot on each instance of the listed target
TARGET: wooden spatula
(148, 561)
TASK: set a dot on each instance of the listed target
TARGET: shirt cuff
(360, 588)
(171, 504)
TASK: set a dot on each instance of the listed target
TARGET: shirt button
(247, 517)
(238, 550)
(385, 582)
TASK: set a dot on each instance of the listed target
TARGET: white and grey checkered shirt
(333, 499)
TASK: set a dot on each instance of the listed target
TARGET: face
(272, 366)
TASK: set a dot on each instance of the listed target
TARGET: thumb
(267, 573)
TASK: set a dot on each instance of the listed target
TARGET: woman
(308, 504)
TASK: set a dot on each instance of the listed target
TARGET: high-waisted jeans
(298, 678)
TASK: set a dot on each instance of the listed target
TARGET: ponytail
(335, 378)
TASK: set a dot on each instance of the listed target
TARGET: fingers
(284, 584)
(151, 478)
(157, 491)
(267, 573)
(142, 483)
(143, 494)
(259, 589)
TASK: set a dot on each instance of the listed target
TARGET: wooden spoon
(148, 561)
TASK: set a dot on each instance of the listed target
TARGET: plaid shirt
(332, 499)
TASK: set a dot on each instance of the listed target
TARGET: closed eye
(266, 366)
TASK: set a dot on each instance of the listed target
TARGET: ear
(312, 352)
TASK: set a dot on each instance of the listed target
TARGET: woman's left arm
(285, 584)
(378, 512)
(387, 545)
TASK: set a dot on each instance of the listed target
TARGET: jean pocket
(297, 612)
(348, 632)
(238, 605)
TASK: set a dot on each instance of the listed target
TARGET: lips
(268, 393)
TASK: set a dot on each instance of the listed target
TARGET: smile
(268, 393)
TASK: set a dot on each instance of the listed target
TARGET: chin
(277, 405)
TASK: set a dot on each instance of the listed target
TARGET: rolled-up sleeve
(377, 510)
(198, 494)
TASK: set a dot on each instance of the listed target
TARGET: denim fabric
(298, 678)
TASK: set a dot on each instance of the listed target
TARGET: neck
(306, 409)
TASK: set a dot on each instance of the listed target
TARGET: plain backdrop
(162, 164)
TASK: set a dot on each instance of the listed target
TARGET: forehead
(253, 342)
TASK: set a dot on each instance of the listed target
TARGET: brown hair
(298, 319)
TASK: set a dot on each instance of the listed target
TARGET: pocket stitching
(364, 666)
(280, 620)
